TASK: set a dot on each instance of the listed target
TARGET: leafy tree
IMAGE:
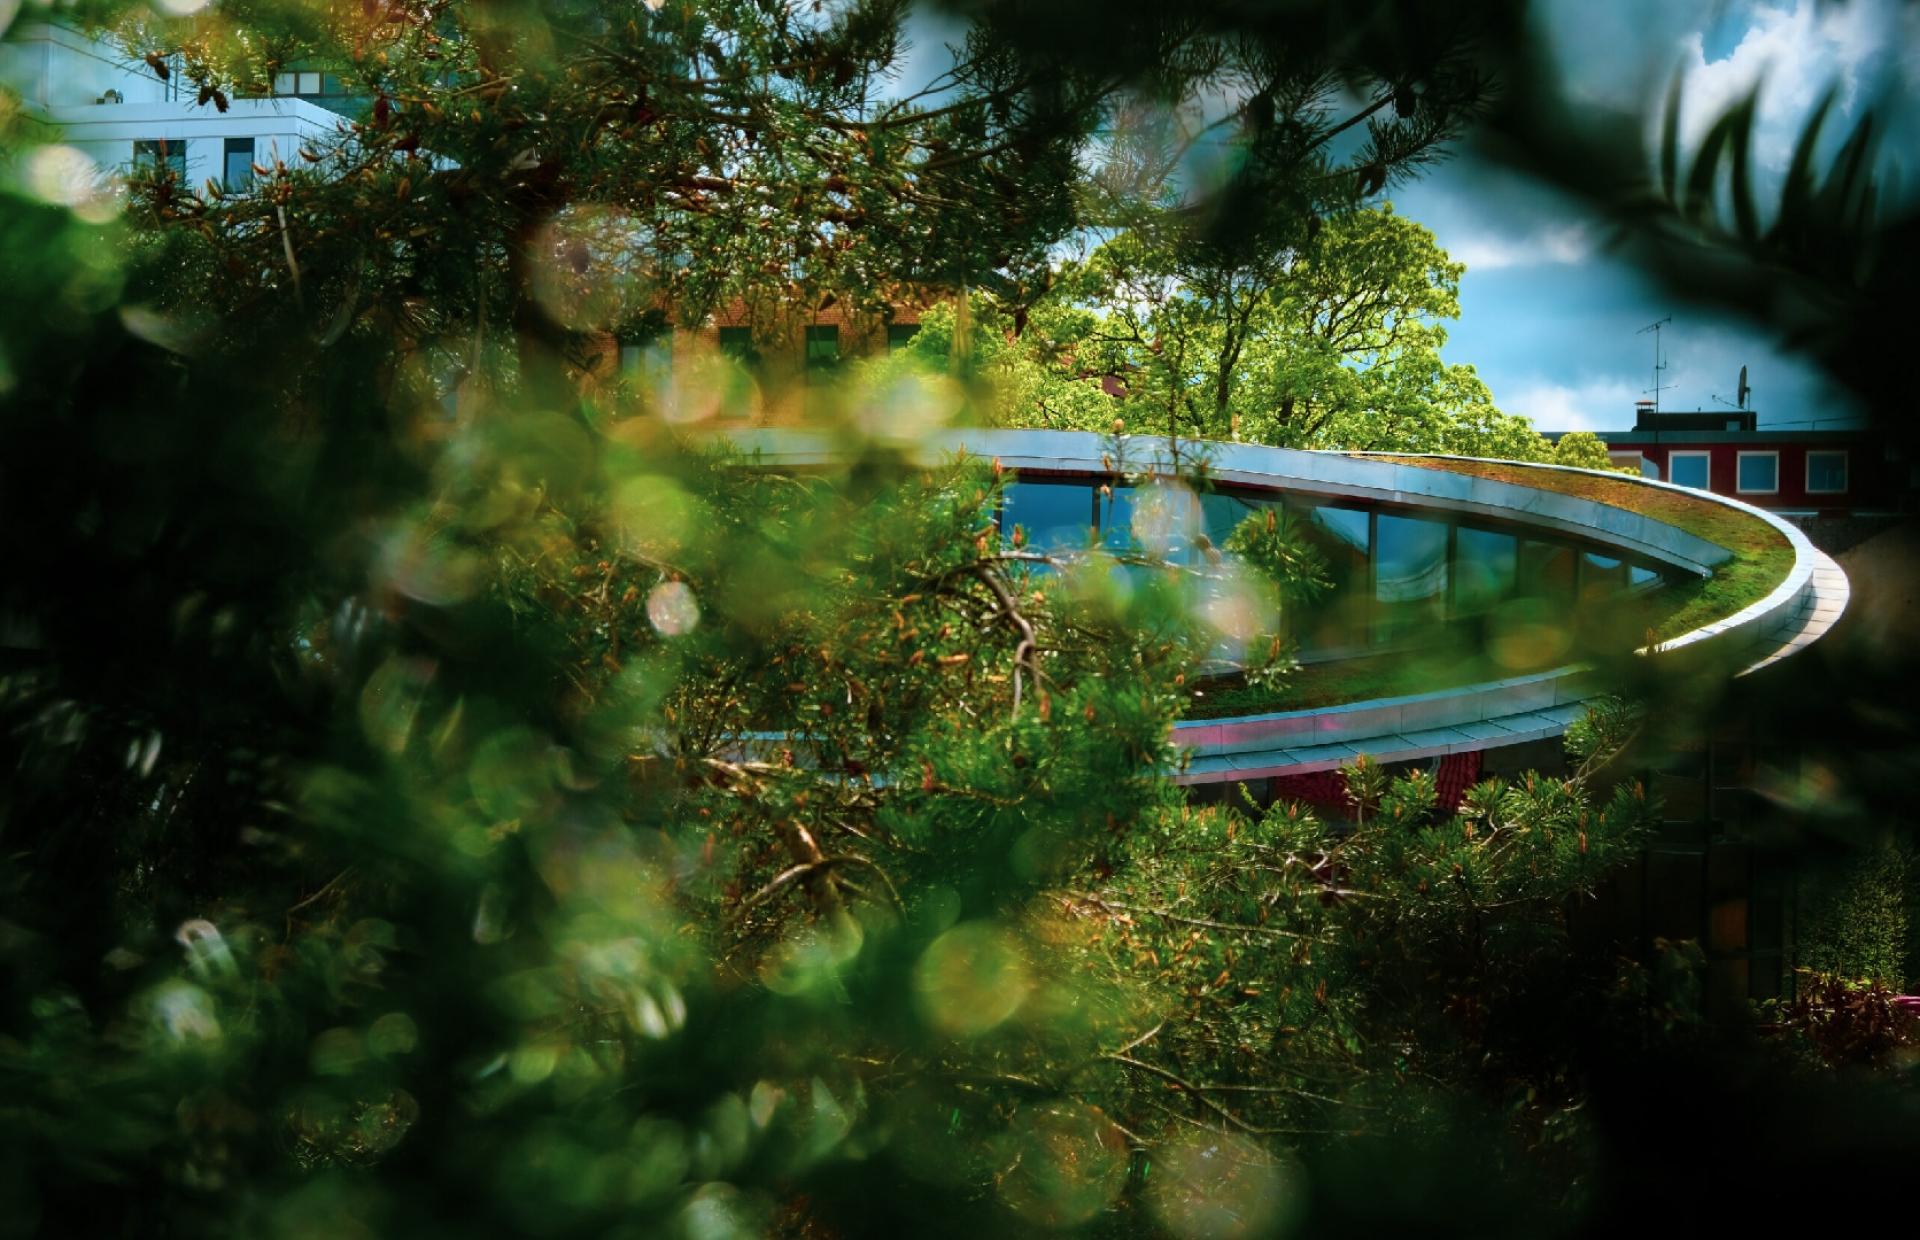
(1583, 449)
(1331, 339)
(1310, 968)
(443, 797)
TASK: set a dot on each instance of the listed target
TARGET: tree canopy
(445, 796)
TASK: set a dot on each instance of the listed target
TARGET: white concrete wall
(278, 127)
(61, 75)
(54, 67)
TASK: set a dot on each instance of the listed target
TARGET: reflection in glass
(1486, 569)
(1688, 469)
(1338, 618)
(1410, 574)
(1055, 516)
(1601, 577)
(1158, 520)
(1546, 571)
(1826, 472)
(1759, 471)
(1221, 513)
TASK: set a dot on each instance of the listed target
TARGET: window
(1601, 577)
(1054, 516)
(170, 153)
(1546, 571)
(1221, 513)
(1410, 574)
(737, 343)
(1690, 469)
(1826, 472)
(1485, 568)
(236, 173)
(1632, 461)
(898, 334)
(1337, 618)
(307, 82)
(823, 347)
(1757, 473)
(650, 357)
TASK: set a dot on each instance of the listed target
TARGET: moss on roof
(1762, 556)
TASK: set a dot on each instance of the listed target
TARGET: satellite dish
(1743, 393)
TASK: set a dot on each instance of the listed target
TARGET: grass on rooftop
(1762, 556)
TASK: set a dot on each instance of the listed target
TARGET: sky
(1549, 316)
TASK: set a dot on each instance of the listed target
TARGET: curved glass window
(1601, 577)
(1546, 571)
(1395, 577)
(1054, 516)
(1410, 574)
(1344, 538)
(1151, 520)
(1486, 569)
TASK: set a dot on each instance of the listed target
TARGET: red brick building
(783, 355)
(1790, 470)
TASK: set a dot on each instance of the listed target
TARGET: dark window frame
(1846, 471)
(229, 149)
(818, 362)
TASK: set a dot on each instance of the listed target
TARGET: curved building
(1464, 598)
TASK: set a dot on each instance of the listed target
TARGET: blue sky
(1549, 316)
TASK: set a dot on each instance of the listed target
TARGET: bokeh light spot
(971, 979)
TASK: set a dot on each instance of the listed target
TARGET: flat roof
(1635, 438)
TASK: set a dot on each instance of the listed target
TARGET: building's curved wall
(1409, 550)
(1058, 471)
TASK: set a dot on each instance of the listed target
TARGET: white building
(119, 111)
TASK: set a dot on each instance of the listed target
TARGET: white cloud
(1795, 53)
(1569, 243)
(1590, 405)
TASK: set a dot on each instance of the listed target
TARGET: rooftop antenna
(1742, 394)
(1659, 358)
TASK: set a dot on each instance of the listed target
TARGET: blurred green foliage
(447, 794)
(1857, 916)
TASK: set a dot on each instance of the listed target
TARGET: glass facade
(1409, 574)
(1053, 516)
(1392, 574)
(1337, 620)
(1546, 571)
(1601, 576)
(1486, 569)
(1222, 512)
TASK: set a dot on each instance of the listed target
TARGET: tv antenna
(1659, 359)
